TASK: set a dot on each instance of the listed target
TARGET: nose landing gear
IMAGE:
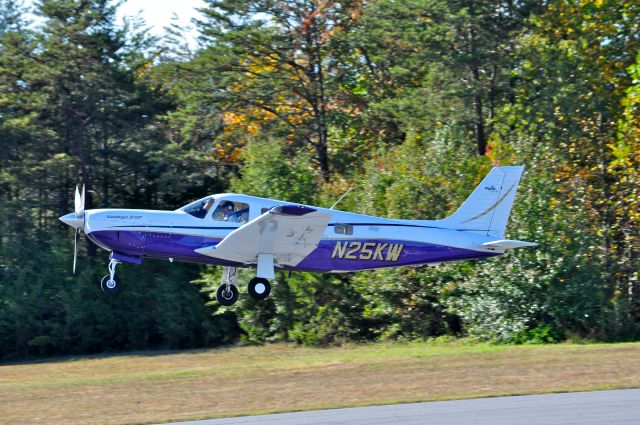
(109, 284)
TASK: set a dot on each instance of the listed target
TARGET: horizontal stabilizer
(507, 244)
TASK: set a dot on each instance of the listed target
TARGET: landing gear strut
(227, 293)
(109, 283)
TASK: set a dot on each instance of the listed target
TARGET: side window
(264, 210)
(343, 229)
(233, 212)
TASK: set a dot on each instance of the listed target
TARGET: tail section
(487, 209)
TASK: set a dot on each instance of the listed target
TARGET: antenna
(340, 199)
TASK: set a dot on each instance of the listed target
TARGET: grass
(156, 387)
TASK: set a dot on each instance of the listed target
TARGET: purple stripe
(376, 254)
(348, 256)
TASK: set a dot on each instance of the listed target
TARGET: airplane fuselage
(234, 231)
(350, 242)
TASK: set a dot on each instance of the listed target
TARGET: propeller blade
(82, 199)
(75, 249)
(77, 201)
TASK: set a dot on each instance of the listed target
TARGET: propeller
(76, 220)
(79, 208)
(75, 249)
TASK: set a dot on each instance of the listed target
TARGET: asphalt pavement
(585, 408)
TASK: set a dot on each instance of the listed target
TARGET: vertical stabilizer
(487, 209)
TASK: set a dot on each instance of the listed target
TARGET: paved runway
(587, 408)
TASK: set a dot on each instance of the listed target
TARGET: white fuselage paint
(364, 227)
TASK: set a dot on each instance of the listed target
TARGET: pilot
(227, 209)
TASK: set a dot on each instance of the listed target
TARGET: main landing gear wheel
(227, 294)
(259, 288)
(110, 285)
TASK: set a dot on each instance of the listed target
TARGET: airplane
(241, 231)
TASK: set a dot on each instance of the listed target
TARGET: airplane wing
(288, 233)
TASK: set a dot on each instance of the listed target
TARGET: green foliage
(543, 334)
(414, 180)
(46, 310)
(268, 172)
(408, 103)
(72, 106)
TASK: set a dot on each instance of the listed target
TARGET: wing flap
(289, 233)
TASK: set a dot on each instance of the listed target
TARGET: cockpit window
(199, 208)
(234, 212)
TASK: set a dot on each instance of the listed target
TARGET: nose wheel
(109, 284)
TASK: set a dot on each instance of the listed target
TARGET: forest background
(409, 103)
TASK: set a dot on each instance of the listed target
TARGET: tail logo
(491, 188)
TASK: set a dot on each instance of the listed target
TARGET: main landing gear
(259, 288)
(109, 284)
(227, 294)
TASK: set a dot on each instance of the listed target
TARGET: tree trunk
(479, 128)
(481, 140)
(317, 91)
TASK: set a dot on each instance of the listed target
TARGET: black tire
(225, 297)
(259, 288)
(109, 286)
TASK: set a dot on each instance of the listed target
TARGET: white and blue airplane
(236, 231)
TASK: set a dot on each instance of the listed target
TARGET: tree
(422, 65)
(276, 59)
(573, 74)
(74, 102)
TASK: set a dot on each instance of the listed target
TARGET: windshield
(199, 208)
